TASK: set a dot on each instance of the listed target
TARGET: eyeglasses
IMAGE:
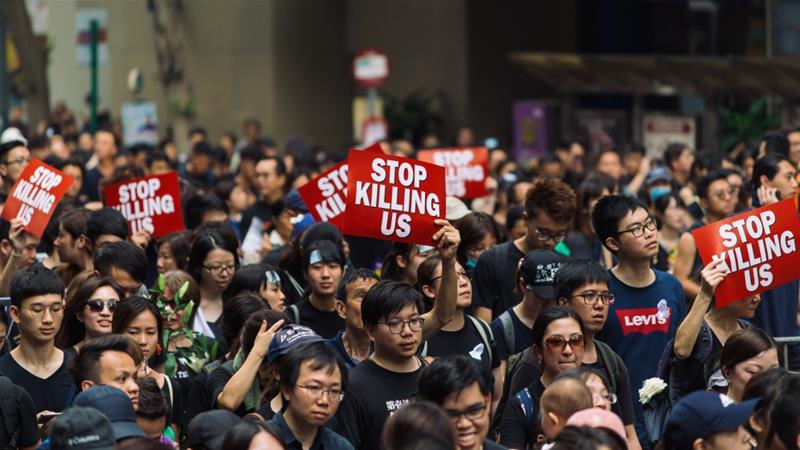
(638, 230)
(38, 310)
(591, 298)
(98, 305)
(19, 161)
(315, 392)
(610, 398)
(472, 413)
(726, 193)
(550, 236)
(217, 270)
(558, 343)
(396, 326)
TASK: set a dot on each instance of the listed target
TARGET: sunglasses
(558, 343)
(97, 306)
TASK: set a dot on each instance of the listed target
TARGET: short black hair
(106, 221)
(197, 130)
(448, 374)
(85, 364)
(326, 250)
(199, 205)
(388, 297)
(123, 255)
(152, 404)
(705, 182)
(775, 141)
(609, 211)
(673, 152)
(34, 281)
(768, 165)
(155, 156)
(280, 166)
(140, 147)
(247, 279)
(575, 273)
(321, 357)
(251, 153)
(70, 162)
(204, 148)
(349, 277)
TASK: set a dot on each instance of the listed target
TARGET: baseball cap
(12, 134)
(658, 174)
(81, 428)
(209, 428)
(598, 418)
(703, 413)
(116, 406)
(538, 270)
(455, 209)
(295, 202)
(289, 336)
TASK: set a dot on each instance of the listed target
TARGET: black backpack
(9, 413)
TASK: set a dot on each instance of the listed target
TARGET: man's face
(118, 369)
(159, 167)
(684, 162)
(634, 236)
(794, 147)
(315, 397)
(29, 251)
(468, 410)
(586, 302)
(67, 247)
(356, 290)
(784, 181)
(75, 188)
(269, 183)
(631, 162)
(323, 277)
(39, 317)
(544, 233)
(104, 145)
(15, 161)
(718, 199)
(201, 164)
(610, 164)
(129, 285)
(402, 345)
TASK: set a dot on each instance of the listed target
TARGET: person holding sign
(17, 251)
(14, 158)
(705, 330)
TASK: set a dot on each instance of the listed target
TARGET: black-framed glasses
(551, 236)
(98, 305)
(558, 343)
(316, 392)
(19, 161)
(474, 412)
(217, 270)
(396, 326)
(637, 231)
(591, 298)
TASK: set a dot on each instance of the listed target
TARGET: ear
(612, 244)
(763, 180)
(427, 291)
(341, 308)
(79, 315)
(755, 423)
(3, 170)
(698, 444)
(401, 261)
(13, 311)
(553, 418)
(562, 301)
(370, 334)
(703, 203)
(86, 384)
(5, 247)
(287, 395)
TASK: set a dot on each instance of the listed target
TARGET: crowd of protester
(567, 309)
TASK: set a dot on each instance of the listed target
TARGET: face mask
(658, 191)
(471, 263)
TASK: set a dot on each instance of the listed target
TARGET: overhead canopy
(661, 74)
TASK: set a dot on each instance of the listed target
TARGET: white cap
(12, 134)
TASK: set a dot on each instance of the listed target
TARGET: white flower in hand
(650, 388)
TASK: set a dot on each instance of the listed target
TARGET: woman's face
(746, 307)
(742, 372)
(144, 331)
(98, 323)
(176, 322)
(240, 199)
(674, 216)
(464, 299)
(218, 269)
(274, 296)
(486, 243)
(556, 353)
(599, 392)
(166, 259)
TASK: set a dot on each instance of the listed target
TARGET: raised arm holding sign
(35, 195)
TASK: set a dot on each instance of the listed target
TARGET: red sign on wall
(759, 248)
(466, 169)
(35, 195)
(393, 198)
(152, 203)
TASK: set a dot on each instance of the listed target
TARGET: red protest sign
(152, 203)
(325, 195)
(393, 198)
(758, 247)
(466, 169)
(35, 195)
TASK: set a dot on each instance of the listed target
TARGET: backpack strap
(611, 362)
(295, 312)
(423, 352)
(486, 333)
(8, 411)
(208, 368)
(508, 331)
(168, 382)
(526, 400)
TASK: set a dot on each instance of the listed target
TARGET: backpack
(611, 361)
(9, 413)
(484, 330)
(512, 366)
(508, 330)
(294, 312)
(530, 407)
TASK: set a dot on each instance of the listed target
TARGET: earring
(158, 349)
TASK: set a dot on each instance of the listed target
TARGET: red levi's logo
(644, 320)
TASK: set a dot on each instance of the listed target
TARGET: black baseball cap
(288, 337)
(209, 428)
(538, 270)
(81, 428)
(116, 406)
(701, 414)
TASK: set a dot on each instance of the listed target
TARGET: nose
(406, 331)
(133, 388)
(281, 295)
(462, 422)
(142, 339)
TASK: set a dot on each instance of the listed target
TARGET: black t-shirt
(26, 430)
(466, 341)
(493, 280)
(517, 430)
(55, 393)
(523, 335)
(491, 445)
(373, 394)
(324, 323)
(216, 383)
(199, 395)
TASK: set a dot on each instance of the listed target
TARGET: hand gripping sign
(35, 195)
(466, 169)
(393, 198)
(152, 204)
(759, 248)
(326, 195)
